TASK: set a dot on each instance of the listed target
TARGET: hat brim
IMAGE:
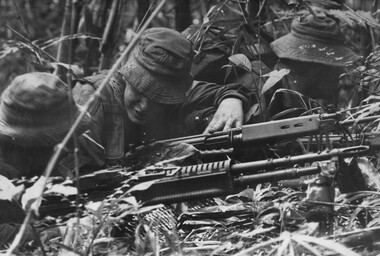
(294, 48)
(41, 136)
(156, 87)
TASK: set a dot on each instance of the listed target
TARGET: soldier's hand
(229, 115)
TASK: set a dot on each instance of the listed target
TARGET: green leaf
(241, 60)
(274, 77)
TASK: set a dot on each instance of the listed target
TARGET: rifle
(270, 132)
(176, 184)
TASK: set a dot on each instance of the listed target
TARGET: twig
(59, 148)
(369, 22)
(310, 9)
(36, 235)
(34, 46)
(19, 16)
(72, 118)
(261, 9)
(107, 32)
(95, 234)
(145, 15)
(28, 41)
(66, 19)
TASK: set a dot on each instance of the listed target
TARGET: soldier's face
(139, 108)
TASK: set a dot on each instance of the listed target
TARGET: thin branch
(34, 46)
(107, 32)
(72, 104)
(19, 16)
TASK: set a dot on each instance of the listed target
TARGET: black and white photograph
(190, 127)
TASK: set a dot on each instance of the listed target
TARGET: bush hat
(35, 111)
(315, 39)
(160, 66)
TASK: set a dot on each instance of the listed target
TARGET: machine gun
(159, 184)
(270, 132)
(176, 184)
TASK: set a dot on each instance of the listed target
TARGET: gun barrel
(287, 174)
(301, 159)
(218, 184)
(205, 140)
(222, 178)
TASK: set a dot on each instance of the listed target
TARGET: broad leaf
(274, 77)
(241, 60)
(8, 191)
(62, 189)
(29, 199)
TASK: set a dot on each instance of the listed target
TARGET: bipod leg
(326, 227)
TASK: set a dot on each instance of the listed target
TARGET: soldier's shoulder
(85, 87)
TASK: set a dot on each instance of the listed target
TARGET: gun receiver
(273, 130)
(223, 178)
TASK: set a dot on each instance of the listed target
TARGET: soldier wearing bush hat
(34, 117)
(151, 93)
(315, 53)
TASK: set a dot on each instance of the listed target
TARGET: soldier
(150, 96)
(316, 56)
(34, 117)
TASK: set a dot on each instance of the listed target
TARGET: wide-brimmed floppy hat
(35, 111)
(160, 66)
(315, 39)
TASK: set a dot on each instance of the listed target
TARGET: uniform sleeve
(203, 99)
(204, 95)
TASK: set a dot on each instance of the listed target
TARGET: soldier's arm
(229, 101)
